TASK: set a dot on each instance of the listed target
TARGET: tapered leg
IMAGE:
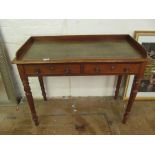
(134, 90)
(118, 86)
(42, 87)
(28, 93)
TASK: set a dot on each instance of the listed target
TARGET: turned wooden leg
(42, 87)
(28, 93)
(134, 90)
(118, 86)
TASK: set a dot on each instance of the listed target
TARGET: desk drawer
(111, 68)
(53, 69)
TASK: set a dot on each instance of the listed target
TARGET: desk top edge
(20, 53)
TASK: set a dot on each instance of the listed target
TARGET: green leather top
(78, 49)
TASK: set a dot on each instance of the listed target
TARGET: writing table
(81, 55)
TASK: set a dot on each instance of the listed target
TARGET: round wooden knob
(126, 70)
(52, 68)
(112, 67)
(67, 70)
(37, 70)
(97, 69)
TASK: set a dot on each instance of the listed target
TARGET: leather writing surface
(78, 49)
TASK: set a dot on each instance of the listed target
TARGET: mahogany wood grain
(111, 68)
(53, 69)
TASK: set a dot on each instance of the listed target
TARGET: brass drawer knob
(97, 69)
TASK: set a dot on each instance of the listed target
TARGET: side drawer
(53, 69)
(112, 68)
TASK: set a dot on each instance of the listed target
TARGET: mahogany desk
(80, 55)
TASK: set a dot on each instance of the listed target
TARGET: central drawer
(53, 69)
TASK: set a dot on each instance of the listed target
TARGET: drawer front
(111, 68)
(53, 69)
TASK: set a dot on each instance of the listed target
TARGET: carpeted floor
(79, 116)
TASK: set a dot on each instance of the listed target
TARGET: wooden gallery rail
(80, 55)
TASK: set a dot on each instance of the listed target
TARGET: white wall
(16, 32)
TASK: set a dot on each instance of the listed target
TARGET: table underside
(55, 50)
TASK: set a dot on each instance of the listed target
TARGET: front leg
(42, 87)
(134, 90)
(118, 86)
(28, 93)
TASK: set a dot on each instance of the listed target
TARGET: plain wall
(16, 32)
